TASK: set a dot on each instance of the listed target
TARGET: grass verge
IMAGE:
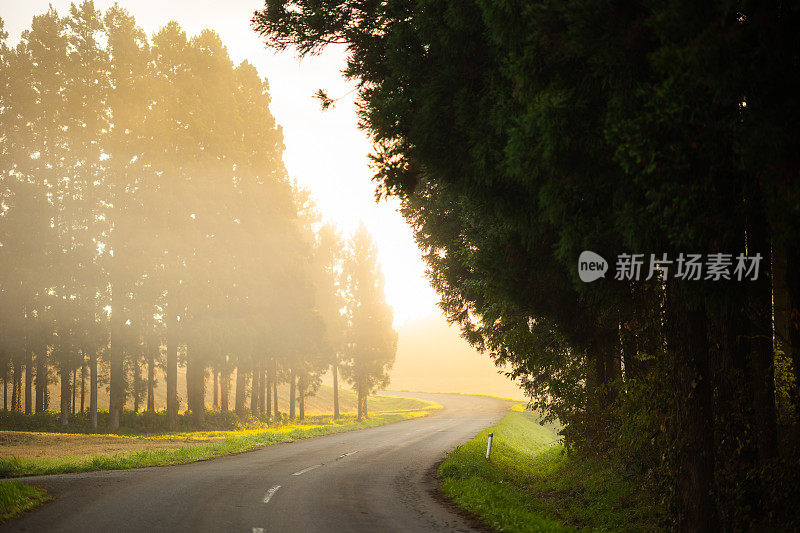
(16, 498)
(202, 445)
(530, 485)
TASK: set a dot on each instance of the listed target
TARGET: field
(530, 485)
(25, 453)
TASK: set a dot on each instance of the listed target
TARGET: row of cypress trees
(148, 222)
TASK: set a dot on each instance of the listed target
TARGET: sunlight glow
(337, 174)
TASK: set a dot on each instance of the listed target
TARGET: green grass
(226, 443)
(16, 498)
(531, 485)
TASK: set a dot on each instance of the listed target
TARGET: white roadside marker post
(489, 446)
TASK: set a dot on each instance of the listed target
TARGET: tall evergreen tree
(371, 341)
(329, 297)
(519, 134)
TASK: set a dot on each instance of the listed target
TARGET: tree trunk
(782, 316)
(83, 386)
(275, 389)
(596, 379)
(151, 377)
(362, 402)
(793, 318)
(762, 354)
(302, 401)
(302, 406)
(292, 395)
(225, 386)
(359, 402)
(201, 393)
(171, 370)
(12, 379)
(28, 378)
(600, 384)
(268, 393)
(74, 390)
(41, 380)
(255, 389)
(189, 385)
(633, 369)
(64, 394)
(117, 377)
(780, 297)
(737, 453)
(648, 317)
(93, 388)
(198, 391)
(335, 388)
(13, 387)
(604, 349)
(687, 342)
(241, 394)
(200, 396)
(191, 395)
(263, 391)
(138, 380)
(16, 390)
(216, 389)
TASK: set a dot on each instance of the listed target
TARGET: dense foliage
(147, 221)
(519, 134)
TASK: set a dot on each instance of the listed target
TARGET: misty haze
(286, 265)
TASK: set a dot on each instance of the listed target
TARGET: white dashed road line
(267, 497)
(303, 471)
(258, 530)
(346, 454)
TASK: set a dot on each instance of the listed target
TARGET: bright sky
(325, 151)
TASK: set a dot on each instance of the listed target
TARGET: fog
(148, 224)
(433, 357)
(156, 253)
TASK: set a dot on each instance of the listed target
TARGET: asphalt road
(378, 479)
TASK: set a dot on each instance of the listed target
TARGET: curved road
(377, 479)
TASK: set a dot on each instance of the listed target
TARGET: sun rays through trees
(147, 224)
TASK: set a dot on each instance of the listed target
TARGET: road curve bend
(377, 479)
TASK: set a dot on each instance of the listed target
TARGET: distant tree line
(519, 134)
(147, 221)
